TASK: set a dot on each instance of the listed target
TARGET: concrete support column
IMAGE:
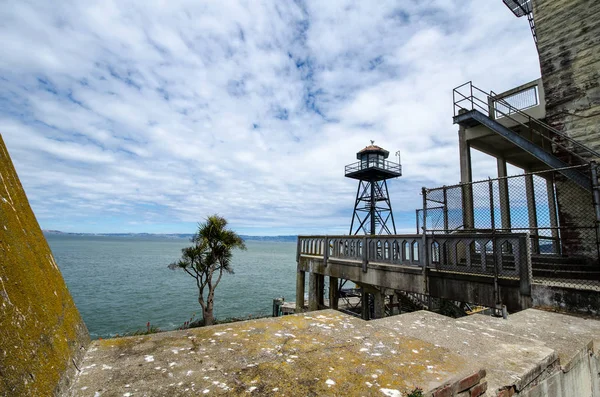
(553, 214)
(320, 291)
(364, 305)
(300, 283)
(313, 303)
(333, 293)
(466, 177)
(503, 193)
(395, 306)
(379, 304)
(531, 211)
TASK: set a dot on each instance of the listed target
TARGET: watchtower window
(375, 160)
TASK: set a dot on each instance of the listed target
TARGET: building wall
(42, 335)
(576, 216)
(568, 33)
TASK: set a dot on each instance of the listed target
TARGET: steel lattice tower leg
(372, 209)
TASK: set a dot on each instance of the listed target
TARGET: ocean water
(121, 283)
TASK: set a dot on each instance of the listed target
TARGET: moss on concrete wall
(41, 332)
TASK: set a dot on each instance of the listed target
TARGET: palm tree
(209, 257)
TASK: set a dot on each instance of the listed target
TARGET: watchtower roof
(373, 149)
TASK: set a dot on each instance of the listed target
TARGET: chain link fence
(558, 215)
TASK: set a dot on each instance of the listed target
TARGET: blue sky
(131, 116)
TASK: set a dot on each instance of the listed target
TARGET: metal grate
(512, 104)
(519, 7)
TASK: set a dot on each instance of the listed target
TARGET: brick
(446, 391)
(468, 382)
(479, 389)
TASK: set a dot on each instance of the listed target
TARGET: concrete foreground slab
(318, 353)
(514, 352)
(565, 334)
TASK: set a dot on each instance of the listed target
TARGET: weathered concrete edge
(549, 367)
(591, 346)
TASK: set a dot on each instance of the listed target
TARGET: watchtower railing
(373, 163)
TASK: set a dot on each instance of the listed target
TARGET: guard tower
(372, 208)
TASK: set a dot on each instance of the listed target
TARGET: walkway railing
(501, 255)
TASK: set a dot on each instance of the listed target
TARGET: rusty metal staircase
(473, 106)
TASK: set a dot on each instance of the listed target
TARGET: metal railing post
(423, 246)
(424, 193)
(494, 244)
(445, 210)
(325, 250)
(471, 87)
(365, 256)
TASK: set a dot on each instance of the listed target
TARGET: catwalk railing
(373, 163)
(501, 255)
(513, 109)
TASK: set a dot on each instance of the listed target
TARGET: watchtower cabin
(372, 207)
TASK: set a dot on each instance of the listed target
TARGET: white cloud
(155, 114)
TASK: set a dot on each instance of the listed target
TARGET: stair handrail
(512, 110)
(477, 102)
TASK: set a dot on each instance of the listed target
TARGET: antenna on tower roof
(372, 142)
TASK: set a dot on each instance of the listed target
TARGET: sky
(148, 116)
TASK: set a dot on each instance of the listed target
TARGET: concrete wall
(42, 335)
(586, 301)
(403, 278)
(568, 34)
(578, 378)
(575, 208)
(461, 287)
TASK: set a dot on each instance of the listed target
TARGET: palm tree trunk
(208, 315)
